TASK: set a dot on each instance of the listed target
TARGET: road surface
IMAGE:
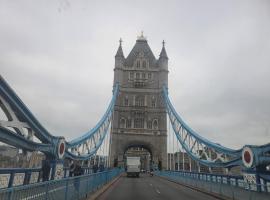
(153, 188)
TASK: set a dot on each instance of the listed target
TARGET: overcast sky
(59, 57)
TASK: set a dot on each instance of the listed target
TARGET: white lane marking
(157, 191)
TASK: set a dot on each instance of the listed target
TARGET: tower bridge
(139, 113)
(139, 120)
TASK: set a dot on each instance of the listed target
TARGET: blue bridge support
(23, 131)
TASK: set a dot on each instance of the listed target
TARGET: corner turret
(163, 66)
(163, 58)
(119, 53)
(119, 63)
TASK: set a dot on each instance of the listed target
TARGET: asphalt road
(153, 188)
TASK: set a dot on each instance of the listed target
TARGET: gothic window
(126, 101)
(149, 76)
(131, 75)
(138, 64)
(128, 123)
(122, 123)
(137, 75)
(139, 123)
(136, 123)
(143, 75)
(139, 101)
(149, 124)
(144, 64)
(153, 102)
(155, 124)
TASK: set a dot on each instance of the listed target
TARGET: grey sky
(59, 58)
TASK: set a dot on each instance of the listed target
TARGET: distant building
(8, 151)
(181, 161)
(8, 156)
(11, 157)
(35, 159)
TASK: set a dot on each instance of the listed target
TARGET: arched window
(122, 123)
(139, 101)
(139, 123)
(131, 75)
(155, 124)
(144, 64)
(137, 75)
(128, 123)
(126, 101)
(153, 102)
(149, 76)
(149, 124)
(138, 64)
(143, 75)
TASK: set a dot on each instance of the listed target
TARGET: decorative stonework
(18, 179)
(268, 186)
(224, 180)
(247, 157)
(250, 180)
(67, 173)
(34, 177)
(4, 180)
(61, 148)
(233, 181)
(59, 171)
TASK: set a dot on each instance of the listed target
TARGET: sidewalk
(97, 193)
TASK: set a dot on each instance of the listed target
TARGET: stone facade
(139, 118)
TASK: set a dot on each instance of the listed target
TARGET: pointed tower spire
(163, 60)
(163, 53)
(119, 52)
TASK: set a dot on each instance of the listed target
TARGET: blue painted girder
(23, 113)
(81, 140)
(261, 153)
(106, 115)
(19, 141)
(49, 143)
(236, 154)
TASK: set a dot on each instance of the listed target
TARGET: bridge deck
(147, 187)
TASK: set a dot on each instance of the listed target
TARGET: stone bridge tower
(140, 118)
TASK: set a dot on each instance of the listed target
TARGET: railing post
(232, 192)
(107, 176)
(210, 183)
(10, 195)
(47, 190)
(249, 187)
(66, 190)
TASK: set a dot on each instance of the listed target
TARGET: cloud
(59, 58)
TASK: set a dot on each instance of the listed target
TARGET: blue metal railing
(23, 176)
(229, 186)
(71, 188)
(19, 176)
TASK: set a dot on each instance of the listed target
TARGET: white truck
(133, 165)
